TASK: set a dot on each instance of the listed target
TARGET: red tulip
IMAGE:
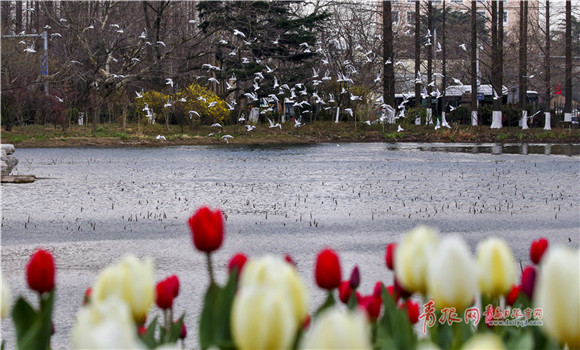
(372, 305)
(165, 294)
(390, 255)
(207, 228)
(142, 330)
(328, 274)
(238, 261)
(538, 249)
(512, 296)
(412, 309)
(40, 271)
(529, 281)
(174, 282)
(344, 291)
(354, 278)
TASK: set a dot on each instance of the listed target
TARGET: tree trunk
(388, 54)
(443, 64)
(417, 53)
(473, 55)
(18, 17)
(496, 122)
(429, 119)
(568, 82)
(522, 71)
(548, 93)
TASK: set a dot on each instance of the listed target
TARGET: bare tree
(388, 55)
(496, 66)
(473, 56)
(547, 64)
(522, 71)
(417, 53)
(568, 64)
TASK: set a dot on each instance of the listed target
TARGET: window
(457, 2)
(395, 17)
(505, 17)
(410, 17)
(412, 1)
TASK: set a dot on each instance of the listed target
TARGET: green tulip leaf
(329, 302)
(214, 324)
(33, 329)
(149, 337)
(172, 336)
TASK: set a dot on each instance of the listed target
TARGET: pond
(91, 205)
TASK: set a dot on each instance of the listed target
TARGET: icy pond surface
(92, 205)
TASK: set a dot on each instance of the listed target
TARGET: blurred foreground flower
(411, 258)
(484, 342)
(452, 275)
(40, 271)
(496, 267)
(262, 318)
(558, 294)
(336, 328)
(5, 298)
(276, 273)
(105, 325)
(131, 280)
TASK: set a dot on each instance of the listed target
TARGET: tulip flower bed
(441, 297)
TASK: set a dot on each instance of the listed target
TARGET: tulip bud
(528, 281)
(262, 318)
(275, 273)
(40, 271)
(207, 229)
(392, 290)
(337, 328)
(411, 258)
(289, 259)
(105, 325)
(344, 291)
(557, 292)
(512, 296)
(306, 323)
(183, 333)
(496, 267)
(238, 261)
(390, 255)
(371, 305)
(412, 309)
(538, 249)
(87, 297)
(452, 274)
(354, 278)
(328, 274)
(6, 297)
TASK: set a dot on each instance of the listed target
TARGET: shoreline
(112, 135)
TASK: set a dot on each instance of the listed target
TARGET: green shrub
(461, 115)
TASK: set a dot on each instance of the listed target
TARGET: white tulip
(275, 272)
(496, 267)
(262, 318)
(411, 258)
(488, 341)
(557, 293)
(452, 274)
(105, 325)
(132, 280)
(6, 298)
(337, 328)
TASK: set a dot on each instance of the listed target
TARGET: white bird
(269, 70)
(114, 25)
(217, 125)
(228, 86)
(250, 127)
(495, 95)
(55, 34)
(211, 104)
(457, 81)
(349, 111)
(439, 49)
(331, 98)
(276, 42)
(389, 61)
(30, 49)
(161, 137)
(315, 73)
(227, 137)
(438, 125)
(272, 125)
(297, 123)
(367, 122)
(143, 34)
(451, 108)
(259, 75)
(159, 42)
(400, 63)
(139, 95)
(354, 97)
(168, 104)
(201, 98)
(135, 60)
(192, 21)
(59, 99)
(242, 118)
(169, 81)
(223, 42)
(213, 80)
(192, 112)
(437, 75)
(378, 78)
(183, 99)
(89, 27)
(256, 86)
(462, 46)
(245, 60)
(276, 82)
(399, 129)
(237, 32)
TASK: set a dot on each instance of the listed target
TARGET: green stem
(210, 268)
